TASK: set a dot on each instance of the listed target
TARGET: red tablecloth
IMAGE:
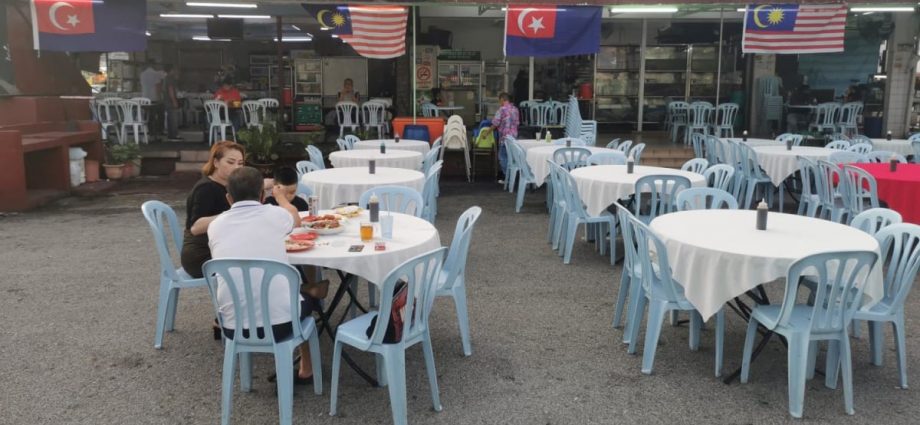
(900, 189)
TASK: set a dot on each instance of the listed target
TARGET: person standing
(171, 103)
(506, 123)
(521, 87)
(151, 87)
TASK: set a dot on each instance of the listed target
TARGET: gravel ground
(79, 304)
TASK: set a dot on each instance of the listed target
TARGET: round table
(537, 157)
(717, 255)
(901, 146)
(412, 236)
(754, 142)
(420, 146)
(337, 186)
(780, 163)
(602, 185)
(396, 158)
(900, 189)
(448, 109)
(528, 144)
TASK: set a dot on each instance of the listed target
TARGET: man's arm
(278, 193)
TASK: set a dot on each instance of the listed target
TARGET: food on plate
(350, 211)
(297, 245)
(309, 236)
(324, 224)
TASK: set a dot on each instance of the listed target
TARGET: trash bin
(872, 126)
(77, 167)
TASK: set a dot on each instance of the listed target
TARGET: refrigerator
(308, 91)
(495, 81)
(461, 85)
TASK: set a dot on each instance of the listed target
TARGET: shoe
(297, 379)
(217, 331)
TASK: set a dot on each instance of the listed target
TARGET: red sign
(64, 17)
(531, 21)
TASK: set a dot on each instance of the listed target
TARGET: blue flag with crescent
(548, 30)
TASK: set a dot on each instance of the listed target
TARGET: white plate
(332, 231)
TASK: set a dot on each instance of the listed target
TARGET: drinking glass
(386, 226)
(367, 231)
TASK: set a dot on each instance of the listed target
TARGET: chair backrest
(860, 138)
(163, 222)
(430, 190)
(539, 113)
(874, 219)
(304, 167)
(698, 141)
(661, 191)
(343, 145)
(711, 148)
(705, 198)
(438, 143)
(796, 138)
(249, 282)
(636, 153)
(399, 199)
(862, 148)
(900, 248)
(350, 140)
(607, 158)
(811, 176)
(316, 156)
(624, 146)
(838, 145)
(846, 157)
(748, 162)
(651, 252)
(719, 176)
(346, 113)
(885, 156)
(266, 104)
(455, 120)
(420, 274)
(833, 183)
(695, 165)
(840, 278)
(571, 158)
(726, 113)
(251, 112)
(863, 188)
(130, 112)
(110, 112)
(455, 139)
(915, 146)
(825, 113)
(700, 114)
(613, 143)
(679, 111)
(372, 113)
(573, 141)
(849, 112)
(430, 158)
(455, 264)
(217, 112)
(429, 110)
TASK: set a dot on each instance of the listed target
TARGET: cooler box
(435, 126)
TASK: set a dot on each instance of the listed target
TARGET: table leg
(744, 310)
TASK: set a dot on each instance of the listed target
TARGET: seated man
(252, 230)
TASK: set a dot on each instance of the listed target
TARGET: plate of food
(306, 236)
(295, 245)
(350, 211)
(328, 224)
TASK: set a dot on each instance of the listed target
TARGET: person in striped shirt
(505, 123)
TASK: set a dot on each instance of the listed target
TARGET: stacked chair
(455, 139)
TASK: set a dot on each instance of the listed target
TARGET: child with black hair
(286, 178)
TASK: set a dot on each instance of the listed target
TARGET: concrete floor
(79, 304)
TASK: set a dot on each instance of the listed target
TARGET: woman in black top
(206, 201)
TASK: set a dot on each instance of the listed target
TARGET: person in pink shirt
(505, 123)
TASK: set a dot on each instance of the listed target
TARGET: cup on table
(367, 231)
(386, 226)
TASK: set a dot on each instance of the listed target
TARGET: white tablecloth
(601, 185)
(396, 158)
(752, 142)
(780, 163)
(336, 186)
(528, 144)
(537, 157)
(420, 146)
(411, 236)
(718, 255)
(901, 146)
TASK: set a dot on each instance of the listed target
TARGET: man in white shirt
(151, 87)
(250, 229)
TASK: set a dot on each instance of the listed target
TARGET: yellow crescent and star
(774, 16)
(337, 19)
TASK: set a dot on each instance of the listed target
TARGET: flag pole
(530, 80)
(412, 68)
(719, 69)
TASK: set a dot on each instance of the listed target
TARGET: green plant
(122, 153)
(259, 143)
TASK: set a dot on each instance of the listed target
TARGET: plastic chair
(373, 115)
(430, 192)
(699, 119)
(662, 294)
(630, 277)
(430, 158)
(712, 146)
(725, 120)
(705, 198)
(838, 145)
(719, 176)
(824, 118)
(698, 141)
(840, 278)
(796, 138)
(695, 165)
(661, 191)
(915, 146)
(607, 158)
(266, 105)
(452, 282)
(572, 141)
(251, 111)
(429, 110)
(874, 219)
(847, 157)
(512, 167)
(398, 199)
(108, 111)
(343, 145)
(863, 190)
(835, 191)
(218, 120)
(810, 199)
(160, 216)
(624, 146)
(846, 120)
(679, 117)
(421, 275)
(571, 158)
(636, 153)
(455, 139)
(539, 114)
(577, 215)
(132, 117)
(416, 132)
(885, 156)
(557, 207)
(754, 177)
(525, 174)
(347, 115)
(237, 277)
(316, 157)
(304, 167)
(613, 143)
(860, 148)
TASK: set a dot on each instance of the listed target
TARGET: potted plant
(117, 156)
(259, 143)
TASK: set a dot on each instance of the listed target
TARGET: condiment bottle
(762, 215)
(788, 143)
(888, 136)
(397, 138)
(630, 164)
(568, 142)
(372, 167)
(383, 147)
(893, 164)
(549, 136)
(373, 205)
(744, 136)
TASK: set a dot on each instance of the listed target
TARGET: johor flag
(89, 25)
(377, 32)
(794, 28)
(547, 30)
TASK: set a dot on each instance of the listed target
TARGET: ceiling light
(234, 5)
(741, 9)
(294, 39)
(882, 9)
(206, 38)
(643, 9)
(324, 28)
(185, 15)
(335, 36)
(295, 27)
(245, 16)
(148, 33)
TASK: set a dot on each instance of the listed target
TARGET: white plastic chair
(218, 120)
(372, 116)
(107, 110)
(251, 112)
(455, 140)
(725, 120)
(132, 118)
(267, 104)
(346, 114)
(847, 118)
(429, 110)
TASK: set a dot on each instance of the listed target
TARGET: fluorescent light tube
(245, 16)
(185, 15)
(233, 5)
(294, 39)
(643, 9)
(882, 9)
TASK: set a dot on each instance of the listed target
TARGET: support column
(530, 79)
(642, 44)
(901, 66)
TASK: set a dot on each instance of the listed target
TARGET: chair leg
(570, 234)
(395, 360)
(812, 358)
(748, 349)
(856, 329)
(334, 381)
(696, 324)
(635, 321)
(245, 372)
(900, 344)
(459, 295)
(316, 362)
(720, 340)
(846, 368)
(636, 295)
(171, 307)
(832, 364)
(621, 300)
(226, 395)
(162, 307)
(284, 378)
(797, 360)
(657, 311)
(432, 372)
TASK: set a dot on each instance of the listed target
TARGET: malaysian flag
(792, 28)
(377, 32)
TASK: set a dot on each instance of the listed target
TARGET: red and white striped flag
(790, 28)
(377, 32)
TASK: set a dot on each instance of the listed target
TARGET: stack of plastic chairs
(577, 127)
(771, 102)
(455, 139)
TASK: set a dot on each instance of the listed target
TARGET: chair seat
(800, 318)
(659, 293)
(354, 333)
